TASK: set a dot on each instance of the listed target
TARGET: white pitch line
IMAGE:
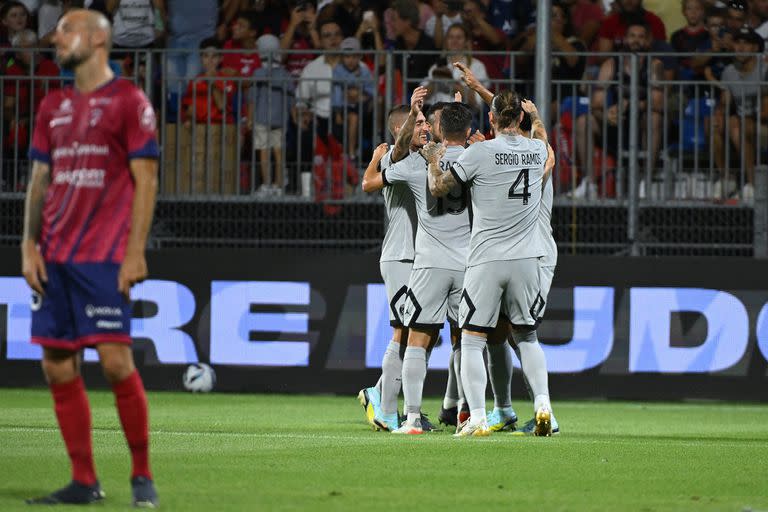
(383, 438)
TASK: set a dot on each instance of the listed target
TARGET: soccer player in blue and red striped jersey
(87, 216)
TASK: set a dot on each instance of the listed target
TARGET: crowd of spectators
(325, 100)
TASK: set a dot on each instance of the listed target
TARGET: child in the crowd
(271, 100)
(351, 95)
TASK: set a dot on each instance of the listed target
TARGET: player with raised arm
(87, 216)
(500, 368)
(442, 243)
(506, 175)
(453, 400)
(397, 253)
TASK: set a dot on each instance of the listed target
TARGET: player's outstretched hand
(132, 271)
(380, 151)
(476, 137)
(433, 151)
(417, 99)
(33, 266)
(529, 107)
(467, 76)
(457, 97)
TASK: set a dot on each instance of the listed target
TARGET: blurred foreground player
(88, 211)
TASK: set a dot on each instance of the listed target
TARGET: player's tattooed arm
(372, 178)
(538, 130)
(134, 267)
(403, 142)
(440, 183)
(469, 78)
(32, 264)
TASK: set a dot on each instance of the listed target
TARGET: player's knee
(117, 365)
(59, 368)
(524, 334)
(116, 370)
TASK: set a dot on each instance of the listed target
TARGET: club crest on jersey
(95, 117)
(147, 118)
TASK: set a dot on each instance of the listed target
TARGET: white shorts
(511, 288)
(433, 295)
(396, 275)
(265, 137)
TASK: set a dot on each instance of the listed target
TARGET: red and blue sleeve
(140, 127)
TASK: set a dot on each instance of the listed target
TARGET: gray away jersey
(398, 242)
(505, 175)
(442, 237)
(545, 223)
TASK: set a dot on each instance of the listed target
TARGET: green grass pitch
(274, 452)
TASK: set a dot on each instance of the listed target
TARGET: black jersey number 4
(523, 176)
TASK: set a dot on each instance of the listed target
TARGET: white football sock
(414, 373)
(451, 398)
(391, 378)
(473, 376)
(534, 364)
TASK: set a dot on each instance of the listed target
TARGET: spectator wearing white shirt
(313, 109)
(447, 13)
(444, 79)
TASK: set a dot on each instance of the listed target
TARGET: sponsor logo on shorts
(106, 324)
(92, 311)
(37, 301)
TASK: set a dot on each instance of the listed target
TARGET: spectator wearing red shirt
(244, 34)
(30, 84)
(301, 34)
(205, 98)
(586, 18)
(14, 17)
(614, 27)
(200, 157)
(18, 91)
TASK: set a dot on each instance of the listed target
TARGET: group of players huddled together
(469, 239)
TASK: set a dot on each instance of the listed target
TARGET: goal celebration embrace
(488, 274)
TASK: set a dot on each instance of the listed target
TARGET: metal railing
(634, 145)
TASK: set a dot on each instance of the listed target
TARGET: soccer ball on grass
(199, 378)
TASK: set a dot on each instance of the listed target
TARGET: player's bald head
(80, 34)
(93, 21)
(396, 118)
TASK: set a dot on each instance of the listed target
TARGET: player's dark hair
(455, 120)
(506, 107)
(402, 110)
(434, 109)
